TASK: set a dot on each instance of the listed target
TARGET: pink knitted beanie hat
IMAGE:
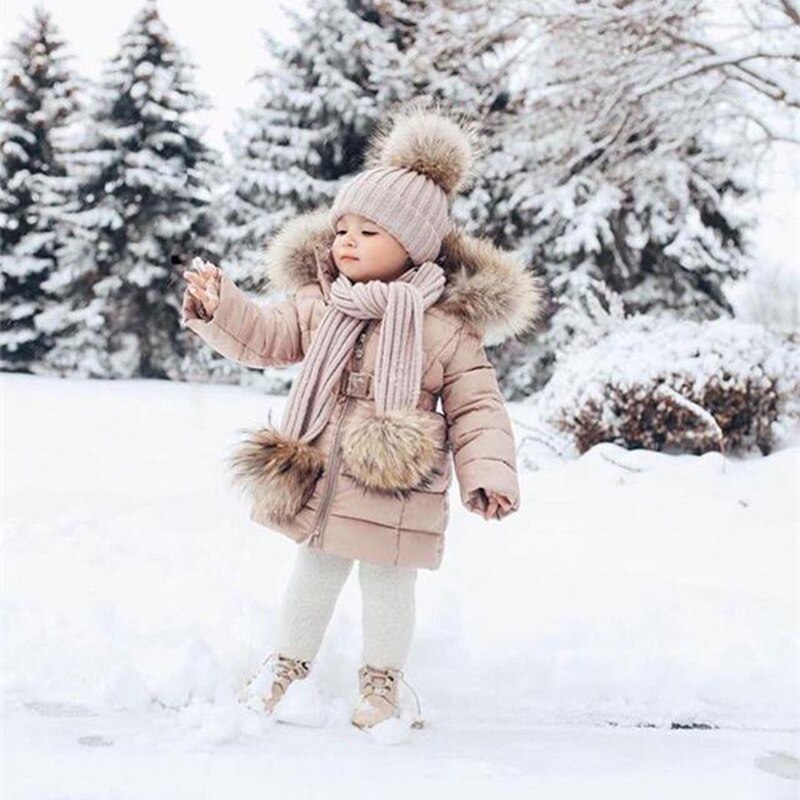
(419, 159)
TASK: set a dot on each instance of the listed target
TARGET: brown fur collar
(486, 287)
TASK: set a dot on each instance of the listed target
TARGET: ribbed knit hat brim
(411, 207)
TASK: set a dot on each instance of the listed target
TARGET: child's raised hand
(204, 285)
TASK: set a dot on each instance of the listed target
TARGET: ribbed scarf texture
(398, 369)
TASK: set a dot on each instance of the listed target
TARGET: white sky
(224, 40)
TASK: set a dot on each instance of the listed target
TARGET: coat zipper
(335, 454)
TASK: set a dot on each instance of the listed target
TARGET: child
(388, 308)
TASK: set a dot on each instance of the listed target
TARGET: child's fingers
(193, 278)
(196, 279)
(211, 291)
(500, 498)
(198, 290)
(505, 504)
(496, 505)
(199, 299)
(202, 268)
(208, 301)
(201, 283)
(209, 269)
(502, 501)
(196, 307)
(211, 298)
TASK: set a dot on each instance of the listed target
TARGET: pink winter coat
(489, 296)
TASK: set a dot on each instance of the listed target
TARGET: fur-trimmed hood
(486, 286)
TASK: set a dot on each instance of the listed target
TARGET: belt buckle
(358, 384)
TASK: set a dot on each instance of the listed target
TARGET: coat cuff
(503, 480)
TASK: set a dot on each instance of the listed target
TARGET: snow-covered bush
(678, 385)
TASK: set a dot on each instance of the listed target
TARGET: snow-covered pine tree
(38, 98)
(464, 55)
(319, 100)
(144, 198)
(621, 168)
(461, 61)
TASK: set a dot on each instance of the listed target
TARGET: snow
(554, 650)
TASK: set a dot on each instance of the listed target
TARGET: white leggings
(387, 602)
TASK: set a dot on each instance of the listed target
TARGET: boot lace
(288, 669)
(377, 681)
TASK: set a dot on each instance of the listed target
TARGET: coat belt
(361, 384)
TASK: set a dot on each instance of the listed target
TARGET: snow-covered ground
(555, 651)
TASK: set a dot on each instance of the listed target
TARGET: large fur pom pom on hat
(436, 142)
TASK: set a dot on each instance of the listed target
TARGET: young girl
(388, 307)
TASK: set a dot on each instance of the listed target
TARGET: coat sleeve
(246, 332)
(478, 424)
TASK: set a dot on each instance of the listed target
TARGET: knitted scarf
(398, 369)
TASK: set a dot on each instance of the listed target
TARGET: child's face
(364, 251)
